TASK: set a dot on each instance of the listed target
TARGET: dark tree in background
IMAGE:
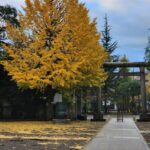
(124, 69)
(110, 47)
(7, 14)
(127, 94)
(121, 95)
(147, 51)
(21, 102)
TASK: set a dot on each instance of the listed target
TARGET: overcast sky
(129, 19)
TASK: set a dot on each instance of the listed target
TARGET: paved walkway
(118, 136)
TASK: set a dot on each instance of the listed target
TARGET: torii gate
(141, 73)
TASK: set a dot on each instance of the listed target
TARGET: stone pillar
(143, 90)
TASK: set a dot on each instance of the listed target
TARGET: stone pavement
(118, 136)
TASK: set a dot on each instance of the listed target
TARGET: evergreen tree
(147, 51)
(110, 47)
(107, 42)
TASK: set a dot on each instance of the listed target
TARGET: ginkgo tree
(56, 45)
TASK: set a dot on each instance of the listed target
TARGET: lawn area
(47, 135)
(144, 128)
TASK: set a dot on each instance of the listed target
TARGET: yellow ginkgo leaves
(56, 45)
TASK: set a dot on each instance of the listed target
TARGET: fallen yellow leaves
(46, 143)
(43, 138)
(73, 135)
(77, 147)
(48, 127)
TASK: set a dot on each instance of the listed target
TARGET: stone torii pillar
(143, 89)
